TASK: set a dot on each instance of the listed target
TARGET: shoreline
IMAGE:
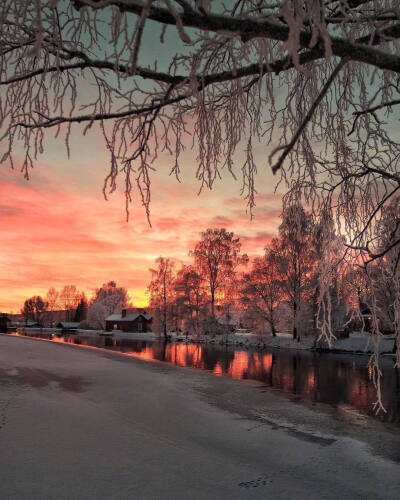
(357, 343)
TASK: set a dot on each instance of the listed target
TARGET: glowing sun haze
(57, 229)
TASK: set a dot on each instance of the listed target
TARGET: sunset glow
(58, 229)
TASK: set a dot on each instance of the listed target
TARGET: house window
(140, 327)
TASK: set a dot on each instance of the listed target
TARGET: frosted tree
(386, 275)
(293, 257)
(69, 299)
(52, 299)
(113, 298)
(262, 289)
(96, 315)
(335, 65)
(34, 309)
(216, 257)
(190, 297)
(161, 290)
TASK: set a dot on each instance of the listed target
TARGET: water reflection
(337, 379)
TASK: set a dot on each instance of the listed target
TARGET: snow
(361, 343)
(81, 423)
(128, 317)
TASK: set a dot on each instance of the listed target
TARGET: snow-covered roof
(128, 317)
(27, 323)
(67, 324)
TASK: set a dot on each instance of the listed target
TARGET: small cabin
(32, 324)
(137, 322)
(67, 325)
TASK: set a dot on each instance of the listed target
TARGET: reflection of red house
(136, 322)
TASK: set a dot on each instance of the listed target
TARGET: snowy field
(84, 424)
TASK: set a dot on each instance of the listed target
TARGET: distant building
(26, 324)
(129, 322)
(48, 319)
(68, 325)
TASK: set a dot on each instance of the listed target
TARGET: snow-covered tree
(190, 297)
(292, 256)
(107, 299)
(69, 299)
(96, 315)
(52, 299)
(310, 80)
(386, 275)
(216, 257)
(112, 298)
(262, 290)
(161, 290)
(34, 309)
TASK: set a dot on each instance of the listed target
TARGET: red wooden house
(129, 322)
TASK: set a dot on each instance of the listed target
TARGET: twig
(287, 148)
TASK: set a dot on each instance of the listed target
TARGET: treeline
(304, 283)
(71, 304)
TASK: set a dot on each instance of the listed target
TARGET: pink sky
(57, 229)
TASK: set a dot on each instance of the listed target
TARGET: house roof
(67, 324)
(128, 317)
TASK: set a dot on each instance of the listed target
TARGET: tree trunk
(165, 310)
(394, 350)
(212, 303)
(295, 319)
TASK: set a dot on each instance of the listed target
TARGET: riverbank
(83, 423)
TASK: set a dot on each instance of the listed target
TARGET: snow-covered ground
(361, 343)
(84, 424)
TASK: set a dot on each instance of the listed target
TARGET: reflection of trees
(224, 357)
(271, 372)
(256, 366)
(129, 345)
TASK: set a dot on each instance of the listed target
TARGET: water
(340, 380)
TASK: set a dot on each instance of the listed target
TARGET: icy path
(83, 424)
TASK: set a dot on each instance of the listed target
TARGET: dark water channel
(343, 381)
